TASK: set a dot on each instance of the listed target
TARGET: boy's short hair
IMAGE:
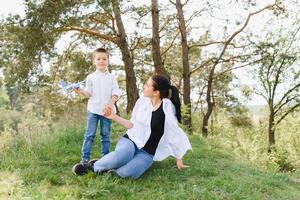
(100, 50)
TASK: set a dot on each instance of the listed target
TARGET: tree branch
(209, 43)
(91, 33)
(292, 109)
(238, 67)
(172, 2)
(202, 65)
(172, 42)
(240, 30)
(288, 100)
(285, 97)
(101, 21)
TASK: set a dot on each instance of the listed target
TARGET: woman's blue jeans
(127, 160)
(90, 133)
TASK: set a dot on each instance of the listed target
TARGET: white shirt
(174, 141)
(101, 86)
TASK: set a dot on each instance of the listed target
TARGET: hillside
(42, 170)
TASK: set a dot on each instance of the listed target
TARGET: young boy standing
(103, 91)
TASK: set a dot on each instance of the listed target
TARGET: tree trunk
(131, 87)
(187, 120)
(209, 102)
(271, 131)
(157, 60)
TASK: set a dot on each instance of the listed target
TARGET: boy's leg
(105, 135)
(137, 166)
(90, 132)
(123, 153)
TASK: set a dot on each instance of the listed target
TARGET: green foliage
(4, 99)
(185, 111)
(239, 116)
(29, 42)
(72, 67)
(251, 143)
(9, 120)
(279, 159)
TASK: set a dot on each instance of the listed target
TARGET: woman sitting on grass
(153, 133)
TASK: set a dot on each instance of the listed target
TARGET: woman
(153, 133)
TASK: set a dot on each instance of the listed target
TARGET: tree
(156, 53)
(215, 61)
(131, 87)
(187, 119)
(279, 77)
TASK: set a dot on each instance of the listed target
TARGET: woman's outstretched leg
(137, 166)
(123, 153)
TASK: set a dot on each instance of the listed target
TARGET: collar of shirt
(102, 73)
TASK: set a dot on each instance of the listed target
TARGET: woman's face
(148, 89)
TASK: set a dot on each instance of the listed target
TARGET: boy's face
(100, 60)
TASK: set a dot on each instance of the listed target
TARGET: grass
(42, 170)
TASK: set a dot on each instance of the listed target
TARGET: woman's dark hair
(166, 90)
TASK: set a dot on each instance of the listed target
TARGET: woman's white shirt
(174, 141)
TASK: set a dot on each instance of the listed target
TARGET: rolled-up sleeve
(89, 85)
(115, 87)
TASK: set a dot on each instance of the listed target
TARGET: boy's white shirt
(174, 141)
(101, 86)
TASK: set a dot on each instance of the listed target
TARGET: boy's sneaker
(80, 169)
(84, 161)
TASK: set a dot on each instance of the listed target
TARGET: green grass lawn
(42, 170)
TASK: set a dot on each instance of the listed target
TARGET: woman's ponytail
(176, 101)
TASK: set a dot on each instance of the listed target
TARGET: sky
(16, 7)
(11, 6)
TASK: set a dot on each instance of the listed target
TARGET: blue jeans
(90, 133)
(127, 160)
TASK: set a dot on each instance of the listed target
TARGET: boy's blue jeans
(90, 133)
(127, 160)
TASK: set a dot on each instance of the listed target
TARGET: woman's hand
(109, 114)
(180, 164)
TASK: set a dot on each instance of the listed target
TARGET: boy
(103, 91)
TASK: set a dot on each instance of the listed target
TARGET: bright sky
(11, 6)
(16, 7)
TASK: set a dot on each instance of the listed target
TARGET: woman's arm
(111, 115)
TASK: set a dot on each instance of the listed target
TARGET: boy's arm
(82, 92)
(87, 91)
(116, 93)
(112, 101)
(110, 104)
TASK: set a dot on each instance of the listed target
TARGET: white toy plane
(67, 88)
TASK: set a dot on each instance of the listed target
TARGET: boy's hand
(77, 90)
(108, 113)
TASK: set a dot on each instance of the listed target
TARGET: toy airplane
(67, 88)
